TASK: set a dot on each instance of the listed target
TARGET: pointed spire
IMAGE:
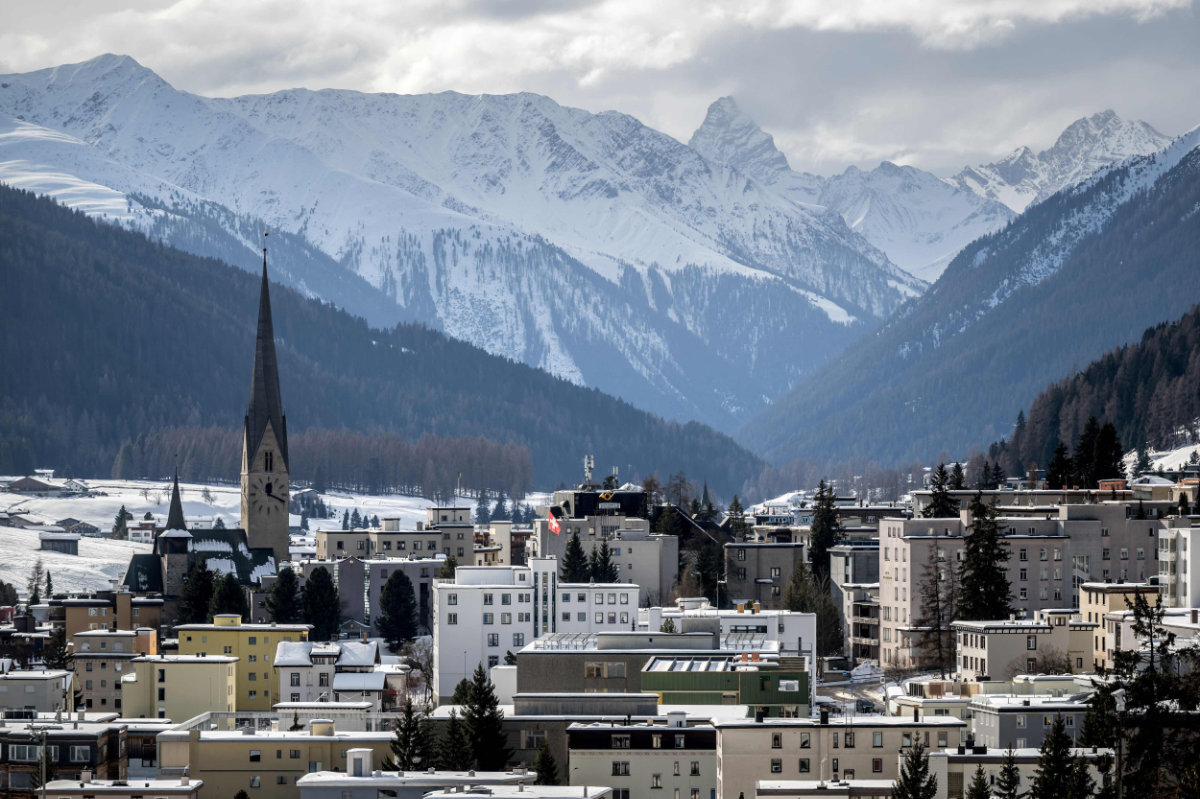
(265, 402)
(175, 519)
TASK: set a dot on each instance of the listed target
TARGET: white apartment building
(488, 611)
(796, 633)
(310, 671)
(1179, 563)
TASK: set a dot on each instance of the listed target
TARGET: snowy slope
(1084, 148)
(919, 220)
(586, 244)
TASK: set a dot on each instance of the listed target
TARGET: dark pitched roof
(175, 519)
(266, 404)
(229, 550)
(144, 575)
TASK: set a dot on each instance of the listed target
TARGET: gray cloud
(935, 83)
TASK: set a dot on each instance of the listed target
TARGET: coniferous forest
(114, 346)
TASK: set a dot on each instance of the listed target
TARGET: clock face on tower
(267, 494)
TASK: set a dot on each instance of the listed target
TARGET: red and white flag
(555, 527)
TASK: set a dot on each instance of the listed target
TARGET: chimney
(824, 715)
(183, 781)
(916, 714)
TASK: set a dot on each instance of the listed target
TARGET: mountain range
(1083, 271)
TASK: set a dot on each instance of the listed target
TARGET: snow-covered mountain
(1083, 149)
(586, 244)
(919, 220)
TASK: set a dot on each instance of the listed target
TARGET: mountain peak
(729, 136)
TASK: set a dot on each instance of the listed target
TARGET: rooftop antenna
(589, 463)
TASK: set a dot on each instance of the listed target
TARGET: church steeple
(175, 520)
(265, 402)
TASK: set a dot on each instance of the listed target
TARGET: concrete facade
(178, 687)
(759, 571)
(1179, 563)
(672, 760)
(254, 647)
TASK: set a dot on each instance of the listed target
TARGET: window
(256, 782)
(624, 599)
(581, 597)
(620, 768)
(805, 765)
(506, 618)
(451, 599)
(942, 739)
(493, 639)
(805, 740)
(599, 617)
(493, 661)
(294, 754)
(676, 770)
(506, 599)
(280, 780)
(451, 618)
(1023, 554)
(253, 658)
(487, 599)
(1031, 642)
(695, 772)
(81, 754)
(741, 554)
(776, 741)
(294, 679)
(489, 618)
(774, 571)
(255, 755)
(776, 766)
(655, 780)
(1024, 574)
(518, 639)
(905, 740)
(620, 741)
(876, 765)
(680, 741)
(24, 752)
(656, 742)
(849, 740)
(835, 765)
(877, 740)
(566, 597)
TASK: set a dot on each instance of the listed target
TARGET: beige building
(859, 747)
(1096, 601)
(266, 764)
(107, 610)
(253, 645)
(182, 788)
(102, 657)
(178, 687)
(1051, 642)
(671, 760)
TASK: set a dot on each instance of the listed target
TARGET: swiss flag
(555, 527)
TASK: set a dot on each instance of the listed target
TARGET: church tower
(264, 445)
(173, 544)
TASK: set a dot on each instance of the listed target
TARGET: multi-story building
(107, 610)
(1050, 642)
(178, 687)
(671, 760)
(772, 686)
(488, 611)
(759, 571)
(254, 647)
(182, 788)
(361, 779)
(1022, 721)
(76, 745)
(860, 606)
(794, 632)
(338, 671)
(102, 658)
(42, 691)
(858, 747)
(1097, 602)
(1179, 563)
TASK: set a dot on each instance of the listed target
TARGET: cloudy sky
(935, 83)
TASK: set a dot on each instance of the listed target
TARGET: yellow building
(178, 687)
(264, 763)
(1096, 601)
(252, 644)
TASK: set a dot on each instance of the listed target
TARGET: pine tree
(34, 584)
(1008, 781)
(346, 520)
(805, 593)
(356, 521)
(1109, 454)
(196, 593)
(978, 789)
(940, 506)
(1085, 454)
(1052, 777)
(485, 725)
(986, 482)
(228, 597)
(915, 781)
(1060, 469)
(321, 606)
(455, 747)
(49, 585)
(958, 480)
(410, 748)
(737, 519)
(668, 626)
(397, 621)
(283, 600)
(544, 766)
(56, 655)
(601, 565)
(938, 590)
(575, 567)
(500, 510)
(983, 589)
(120, 531)
(825, 530)
(241, 794)
(448, 567)
(483, 514)
(462, 693)
(1080, 784)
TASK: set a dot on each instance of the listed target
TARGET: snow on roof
(293, 653)
(359, 681)
(356, 653)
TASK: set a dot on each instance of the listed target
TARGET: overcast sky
(934, 83)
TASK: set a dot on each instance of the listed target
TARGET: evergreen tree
(806, 593)
(462, 693)
(544, 766)
(219, 524)
(120, 531)
(49, 585)
(228, 597)
(983, 589)
(1085, 454)
(449, 566)
(410, 748)
(1109, 454)
(979, 789)
(356, 521)
(322, 608)
(737, 519)
(241, 794)
(986, 482)
(8, 594)
(999, 478)
(485, 725)
(825, 530)
(958, 480)
(34, 584)
(938, 590)
(708, 568)
(575, 567)
(455, 750)
(1143, 462)
(196, 593)
(1060, 469)
(940, 506)
(668, 626)
(509, 658)
(283, 600)
(1008, 781)
(1052, 778)
(500, 510)
(56, 655)
(346, 520)
(603, 570)
(1080, 784)
(398, 611)
(915, 781)
(483, 514)
(667, 521)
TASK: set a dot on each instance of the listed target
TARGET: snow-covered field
(100, 560)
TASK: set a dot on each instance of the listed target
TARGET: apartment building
(106, 610)
(178, 687)
(795, 633)
(41, 691)
(102, 658)
(488, 611)
(362, 779)
(858, 747)
(254, 647)
(1097, 602)
(1004, 648)
(182, 788)
(338, 671)
(935, 696)
(675, 761)
(1179, 562)
(759, 571)
(1023, 721)
(76, 745)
